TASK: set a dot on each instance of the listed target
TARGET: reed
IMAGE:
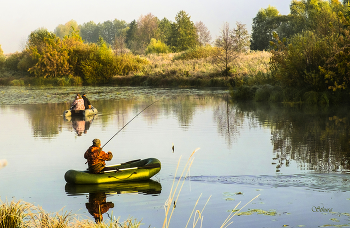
(14, 214)
(176, 192)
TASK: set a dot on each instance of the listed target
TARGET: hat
(96, 142)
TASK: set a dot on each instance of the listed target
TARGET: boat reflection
(98, 204)
(81, 124)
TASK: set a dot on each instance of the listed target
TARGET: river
(295, 159)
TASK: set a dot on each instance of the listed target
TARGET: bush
(12, 61)
(156, 46)
(128, 63)
(17, 82)
(243, 92)
(263, 93)
(198, 52)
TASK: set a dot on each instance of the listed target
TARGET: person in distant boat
(96, 157)
(87, 103)
(78, 103)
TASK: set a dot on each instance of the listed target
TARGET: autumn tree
(49, 53)
(184, 34)
(228, 48)
(147, 27)
(203, 33)
(2, 58)
(241, 37)
(64, 30)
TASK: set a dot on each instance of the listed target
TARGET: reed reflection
(97, 204)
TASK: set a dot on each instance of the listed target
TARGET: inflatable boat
(86, 112)
(136, 170)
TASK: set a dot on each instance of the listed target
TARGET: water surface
(296, 158)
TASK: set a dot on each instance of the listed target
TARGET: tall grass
(174, 194)
(21, 214)
(14, 214)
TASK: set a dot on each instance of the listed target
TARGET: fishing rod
(129, 122)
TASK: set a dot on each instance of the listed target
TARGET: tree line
(176, 36)
(93, 53)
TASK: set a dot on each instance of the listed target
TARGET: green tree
(89, 32)
(297, 64)
(99, 67)
(131, 35)
(64, 30)
(184, 34)
(164, 31)
(264, 24)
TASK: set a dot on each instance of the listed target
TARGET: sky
(18, 18)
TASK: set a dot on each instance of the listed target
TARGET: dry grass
(174, 194)
(22, 214)
(246, 64)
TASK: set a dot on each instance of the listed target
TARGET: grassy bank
(23, 214)
(166, 70)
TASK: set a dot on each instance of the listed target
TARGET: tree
(164, 31)
(131, 35)
(147, 27)
(203, 33)
(264, 24)
(227, 48)
(240, 37)
(2, 58)
(89, 32)
(64, 30)
(184, 34)
(50, 55)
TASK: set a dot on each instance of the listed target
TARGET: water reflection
(81, 124)
(98, 205)
(46, 119)
(317, 138)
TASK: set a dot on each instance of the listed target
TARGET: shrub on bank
(199, 52)
(156, 47)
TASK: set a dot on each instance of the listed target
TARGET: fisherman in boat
(78, 103)
(87, 103)
(96, 157)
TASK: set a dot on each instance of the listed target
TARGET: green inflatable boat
(136, 170)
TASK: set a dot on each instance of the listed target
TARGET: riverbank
(23, 214)
(165, 70)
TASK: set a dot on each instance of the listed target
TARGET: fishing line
(129, 122)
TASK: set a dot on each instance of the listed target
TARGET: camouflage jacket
(96, 158)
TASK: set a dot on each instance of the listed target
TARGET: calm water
(296, 158)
